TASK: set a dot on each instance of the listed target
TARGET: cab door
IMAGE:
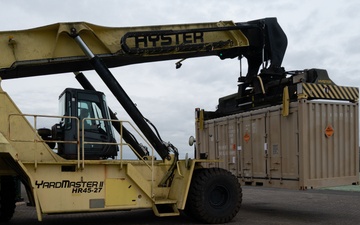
(91, 110)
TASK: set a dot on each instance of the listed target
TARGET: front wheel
(215, 196)
(7, 198)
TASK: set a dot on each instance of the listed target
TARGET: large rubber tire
(215, 196)
(7, 198)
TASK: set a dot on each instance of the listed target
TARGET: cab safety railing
(80, 138)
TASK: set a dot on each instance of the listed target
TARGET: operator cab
(91, 109)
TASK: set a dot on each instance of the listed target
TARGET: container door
(225, 139)
(232, 143)
(221, 136)
(206, 145)
(282, 145)
(252, 134)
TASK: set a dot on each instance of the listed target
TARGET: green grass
(345, 188)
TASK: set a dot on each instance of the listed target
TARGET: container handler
(76, 165)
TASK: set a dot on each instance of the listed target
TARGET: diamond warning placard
(329, 131)
(246, 137)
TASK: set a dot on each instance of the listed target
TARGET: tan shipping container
(316, 145)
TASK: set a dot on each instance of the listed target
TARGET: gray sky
(321, 34)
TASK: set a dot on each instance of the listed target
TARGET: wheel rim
(219, 196)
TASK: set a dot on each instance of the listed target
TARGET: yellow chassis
(57, 185)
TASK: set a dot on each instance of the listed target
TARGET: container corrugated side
(328, 143)
(316, 145)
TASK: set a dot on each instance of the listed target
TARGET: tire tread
(196, 202)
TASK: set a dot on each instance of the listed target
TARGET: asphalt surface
(260, 206)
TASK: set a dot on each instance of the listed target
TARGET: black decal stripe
(321, 91)
(337, 92)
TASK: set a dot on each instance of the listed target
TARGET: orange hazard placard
(246, 137)
(233, 146)
(329, 131)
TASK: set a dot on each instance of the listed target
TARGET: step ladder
(165, 207)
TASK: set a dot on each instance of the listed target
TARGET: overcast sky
(321, 34)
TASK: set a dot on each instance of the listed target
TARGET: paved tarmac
(260, 206)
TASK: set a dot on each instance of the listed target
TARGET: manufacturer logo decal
(75, 186)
